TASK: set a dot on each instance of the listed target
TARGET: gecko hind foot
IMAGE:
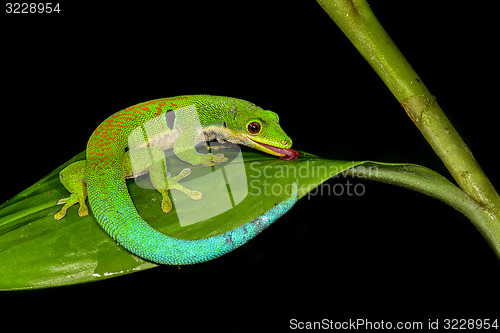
(183, 174)
(72, 179)
(172, 183)
(166, 204)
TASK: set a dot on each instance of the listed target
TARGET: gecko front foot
(217, 145)
(210, 159)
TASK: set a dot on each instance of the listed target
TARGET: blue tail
(118, 216)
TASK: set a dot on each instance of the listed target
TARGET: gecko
(132, 142)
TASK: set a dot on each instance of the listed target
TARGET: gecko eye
(254, 127)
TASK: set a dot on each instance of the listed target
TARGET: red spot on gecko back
(105, 138)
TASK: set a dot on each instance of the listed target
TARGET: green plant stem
(431, 183)
(357, 21)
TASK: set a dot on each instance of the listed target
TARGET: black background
(391, 254)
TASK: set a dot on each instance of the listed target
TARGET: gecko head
(260, 129)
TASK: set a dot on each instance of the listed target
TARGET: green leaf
(37, 251)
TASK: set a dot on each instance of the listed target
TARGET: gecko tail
(148, 243)
(137, 236)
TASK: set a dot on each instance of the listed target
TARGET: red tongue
(290, 154)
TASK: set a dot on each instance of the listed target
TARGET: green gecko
(110, 160)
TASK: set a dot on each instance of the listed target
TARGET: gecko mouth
(284, 154)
